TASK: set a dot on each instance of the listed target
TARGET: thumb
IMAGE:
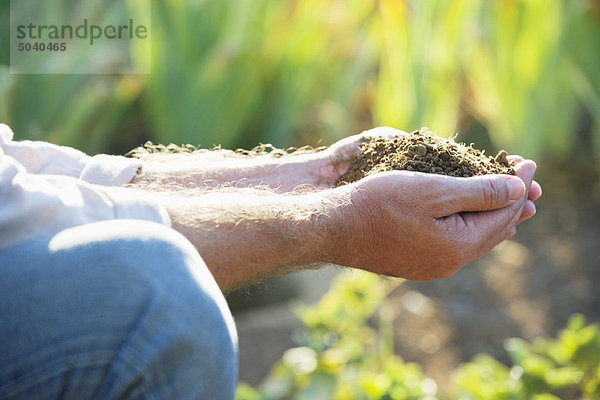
(482, 193)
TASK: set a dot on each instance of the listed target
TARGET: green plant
(423, 48)
(340, 355)
(227, 72)
(547, 368)
(223, 72)
(346, 352)
(289, 72)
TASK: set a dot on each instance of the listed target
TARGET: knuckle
(452, 234)
(490, 193)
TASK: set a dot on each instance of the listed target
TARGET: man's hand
(328, 165)
(405, 224)
(399, 223)
(318, 170)
(423, 226)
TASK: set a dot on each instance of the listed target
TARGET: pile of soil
(423, 151)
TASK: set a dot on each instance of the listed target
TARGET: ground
(527, 287)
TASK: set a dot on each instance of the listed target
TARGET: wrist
(334, 219)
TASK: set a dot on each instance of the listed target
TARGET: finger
(529, 211)
(350, 146)
(535, 192)
(498, 238)
(525, 170)
(384, 132)
(481, 193)
(489, 228)
(497, 225)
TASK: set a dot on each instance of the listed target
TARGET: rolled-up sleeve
(46, 188)
(42, 158)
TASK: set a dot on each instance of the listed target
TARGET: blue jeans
(113, 310)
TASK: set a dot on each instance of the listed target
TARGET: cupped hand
(335, 160)
(426, 226)
(535, 192)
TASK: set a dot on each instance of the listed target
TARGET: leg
(115, 309)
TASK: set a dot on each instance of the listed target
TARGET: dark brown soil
(423, 151)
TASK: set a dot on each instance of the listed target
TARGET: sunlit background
(523, 75)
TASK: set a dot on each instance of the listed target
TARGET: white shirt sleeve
(49, 159)
(46, 188)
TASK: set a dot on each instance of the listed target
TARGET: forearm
(245, 234)
(209, 170)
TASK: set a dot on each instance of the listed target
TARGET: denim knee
(131, 309)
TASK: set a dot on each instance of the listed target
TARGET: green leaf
(562, 377)
(544, 396)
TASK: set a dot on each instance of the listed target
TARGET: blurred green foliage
(565, 367)
(347, 352)
(289, 72)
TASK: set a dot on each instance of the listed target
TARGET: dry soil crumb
(423, 151)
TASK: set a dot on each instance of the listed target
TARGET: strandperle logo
(80, 37)
(84, 30)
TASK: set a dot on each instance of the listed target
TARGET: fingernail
(516, 188)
